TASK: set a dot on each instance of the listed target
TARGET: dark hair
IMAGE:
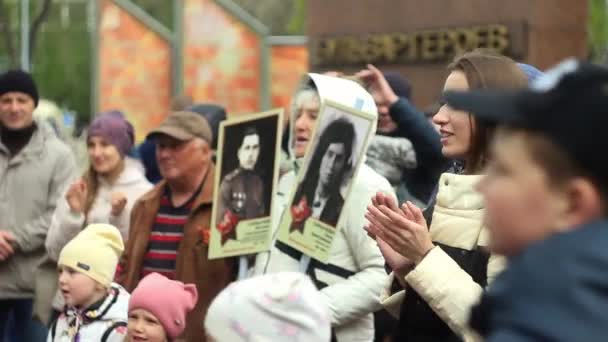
(554, 161)
(251, 130)
(399, 84)
(214, 114)
(338, 131)
(181, 102)
(485, 69)
(432, 109)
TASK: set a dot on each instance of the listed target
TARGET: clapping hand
(77, 196)
(118, 201)
(403, 228)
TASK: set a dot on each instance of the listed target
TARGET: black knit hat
(19, 81)
(399, 84)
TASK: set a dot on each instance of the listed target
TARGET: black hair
(338, 131)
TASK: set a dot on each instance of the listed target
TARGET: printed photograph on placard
(247, 172)
(324, 180)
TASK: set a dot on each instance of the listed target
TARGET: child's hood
(116, 305)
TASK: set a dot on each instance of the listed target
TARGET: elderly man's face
(249, 151)
(332, 164)
(177, 158)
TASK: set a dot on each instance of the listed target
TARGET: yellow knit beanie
(94, 252)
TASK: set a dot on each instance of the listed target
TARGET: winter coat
(553, 291)
(103, 321)
(31, 182)
(414, 126)
(446, 284)
(192, 264)
(65, 225)
(355, 271)
(389, 156)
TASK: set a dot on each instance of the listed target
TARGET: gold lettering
(386, 47)
(413, 45)
(343, 50)
(483, 39)
(461, 41)
(454, 43)
(372, 49)
(498, 38)
(471, 41)
(326, 49)
(442, 44)
(429, 45)
(400, 48)
(353, 50)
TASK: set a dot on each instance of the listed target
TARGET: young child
(546, 200)
(158, 309)
(95, 307)
(276, 307)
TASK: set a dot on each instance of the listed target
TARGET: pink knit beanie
(168, 300)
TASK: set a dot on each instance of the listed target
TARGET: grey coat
(30, 184)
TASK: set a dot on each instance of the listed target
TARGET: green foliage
(282, 17)
(298, 16)
(161, 10)
(62, 61)
(597, 28)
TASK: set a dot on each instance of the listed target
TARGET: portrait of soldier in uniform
(319, 192)
(242, 190)
(247, 172)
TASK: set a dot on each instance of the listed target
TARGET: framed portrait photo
(323, 184)
(247, 172)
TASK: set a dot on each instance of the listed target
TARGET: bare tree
(8, 35)
(5, 30)
(42, 16)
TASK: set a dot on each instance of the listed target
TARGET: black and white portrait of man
(246, 173)
(330, 164)
(242, 190)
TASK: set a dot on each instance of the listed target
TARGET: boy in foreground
(546, 193)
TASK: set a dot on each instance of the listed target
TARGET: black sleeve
(413, 125)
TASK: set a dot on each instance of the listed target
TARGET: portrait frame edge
(215, 251)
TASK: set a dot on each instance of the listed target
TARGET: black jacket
(557, 290)
(413, 125)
